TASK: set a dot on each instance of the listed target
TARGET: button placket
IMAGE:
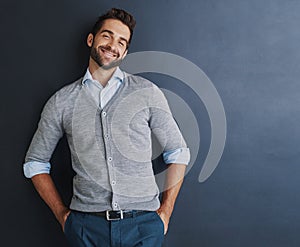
(110, 164)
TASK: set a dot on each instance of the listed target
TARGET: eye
(105, 36)
(122, 43)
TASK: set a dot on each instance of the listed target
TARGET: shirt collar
(117, 75)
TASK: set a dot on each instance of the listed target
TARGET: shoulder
(66, 92)
(145, 88)
(65, 95)
(139, 82)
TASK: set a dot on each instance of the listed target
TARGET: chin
(112, 64)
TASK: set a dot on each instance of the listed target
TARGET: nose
(112, 44)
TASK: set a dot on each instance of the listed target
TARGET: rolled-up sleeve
(33, 168)
(44, 141)
(177, 156)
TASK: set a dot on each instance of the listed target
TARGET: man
(108, 117)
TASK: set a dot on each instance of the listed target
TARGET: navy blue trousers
(86, 230)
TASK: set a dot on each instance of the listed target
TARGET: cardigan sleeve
(166, 130)
(45, 139)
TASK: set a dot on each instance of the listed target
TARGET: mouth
(108, 54)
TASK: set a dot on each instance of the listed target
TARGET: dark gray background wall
(248, 48)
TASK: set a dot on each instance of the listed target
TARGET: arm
(174, 179)
(48, 192)
(37, 166)
(175, 151)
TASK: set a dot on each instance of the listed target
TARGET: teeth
(108, 53)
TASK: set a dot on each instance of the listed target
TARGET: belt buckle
(110, 219)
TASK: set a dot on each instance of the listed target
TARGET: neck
(100, 74)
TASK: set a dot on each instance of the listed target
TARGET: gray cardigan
(110, 147)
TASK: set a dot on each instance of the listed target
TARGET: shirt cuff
(177, 156)
(33, 168)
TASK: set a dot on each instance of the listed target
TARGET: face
(109, 46)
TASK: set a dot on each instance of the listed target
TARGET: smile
(108, 54)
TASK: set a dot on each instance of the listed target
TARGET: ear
(90, 39)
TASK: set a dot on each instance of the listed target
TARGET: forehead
(117, 27)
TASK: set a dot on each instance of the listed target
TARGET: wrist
(60, 212)
(166, 209)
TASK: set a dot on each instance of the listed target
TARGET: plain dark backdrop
(248, 48)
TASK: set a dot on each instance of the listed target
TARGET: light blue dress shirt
(101, 95)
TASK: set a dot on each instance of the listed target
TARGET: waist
(116, 214)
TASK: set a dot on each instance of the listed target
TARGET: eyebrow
(112, 33)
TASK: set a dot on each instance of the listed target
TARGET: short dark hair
(117, 14)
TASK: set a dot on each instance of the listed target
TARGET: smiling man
(116, 199)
